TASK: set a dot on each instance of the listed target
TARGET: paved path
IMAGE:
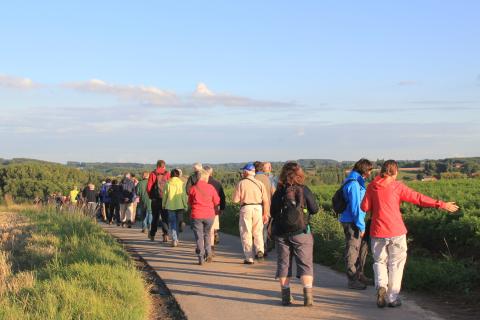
(228, 289)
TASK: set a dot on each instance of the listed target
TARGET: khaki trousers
(126, 212)
(251, 225)
(215, 226)
(390, 255)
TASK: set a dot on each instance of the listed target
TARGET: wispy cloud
(142, 94)
(8, 81)
(149, 95)
(204, 96)
(407, 83)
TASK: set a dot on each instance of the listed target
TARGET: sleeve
(265, 201)
(312, 205)
(191, 196)
(354, 195)
(366, 204)
(164, 197)
(222, 198)
(215, 197)
(236, 193)
(411, 196)
(151, 180)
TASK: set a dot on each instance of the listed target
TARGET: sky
(234, 81)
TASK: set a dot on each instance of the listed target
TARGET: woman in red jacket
(388, 232)
(204, 200)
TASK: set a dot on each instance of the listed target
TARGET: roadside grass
(55, 265)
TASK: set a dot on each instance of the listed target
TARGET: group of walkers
(275, 212)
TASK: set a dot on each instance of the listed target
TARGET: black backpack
(292, 216)
(339, 204)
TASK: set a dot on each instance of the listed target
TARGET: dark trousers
(115, 211)
(201, 230)
(158, 214)
(109, 211)
(356, 250)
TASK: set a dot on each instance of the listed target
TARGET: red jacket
(152, 179)
(202, 198)
(383, 199)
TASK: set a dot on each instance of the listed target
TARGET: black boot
(286, 297)
(307, 297)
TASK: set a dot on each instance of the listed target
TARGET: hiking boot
(396, 303)
(152, 238)
(216, 238)
(381, 293)
(213, 251)
(260, 257)
(200, 260)
(308, 297)
(123, 224)
(174, 243)
(356, 285)
(286, 297)
(129, 224)
(165, 238)
(364, 279)
(248, 261)
(209, 259)
(143, 230)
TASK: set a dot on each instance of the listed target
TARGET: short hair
(108, 180)
(363, 166)
(389, 168)
(258, 166)
(291, 174)
(202, 174)
(175, 173)
(208, 169)
(266, 165)
(197, 166)
(114, 181)
(160, 163)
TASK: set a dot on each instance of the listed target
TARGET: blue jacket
(353, 192)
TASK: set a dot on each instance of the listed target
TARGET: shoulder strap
(251, 180)
(347, 181)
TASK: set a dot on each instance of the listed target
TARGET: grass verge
(63, 266)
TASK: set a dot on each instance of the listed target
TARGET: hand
(265, 219)
(451, 207)
(362, 234)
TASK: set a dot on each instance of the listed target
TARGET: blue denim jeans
(147, 221)
(175, 217)
(201, 230)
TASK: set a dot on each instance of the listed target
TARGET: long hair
(291, 174)
(389, 168)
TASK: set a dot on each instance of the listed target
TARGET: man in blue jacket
(353, 221)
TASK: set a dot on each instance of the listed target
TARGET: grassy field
(63, 266)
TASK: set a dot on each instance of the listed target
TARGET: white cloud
(149, 95)
(203, 96)
(17, 82)
(143, 94)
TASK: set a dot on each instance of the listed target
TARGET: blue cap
(249, 167)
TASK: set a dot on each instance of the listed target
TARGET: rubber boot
(307, 297)
(286, 297)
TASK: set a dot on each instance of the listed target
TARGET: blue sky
(219, 81)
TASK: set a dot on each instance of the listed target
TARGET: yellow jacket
(174, 195)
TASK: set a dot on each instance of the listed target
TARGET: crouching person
(292, 205)
(203, 200)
